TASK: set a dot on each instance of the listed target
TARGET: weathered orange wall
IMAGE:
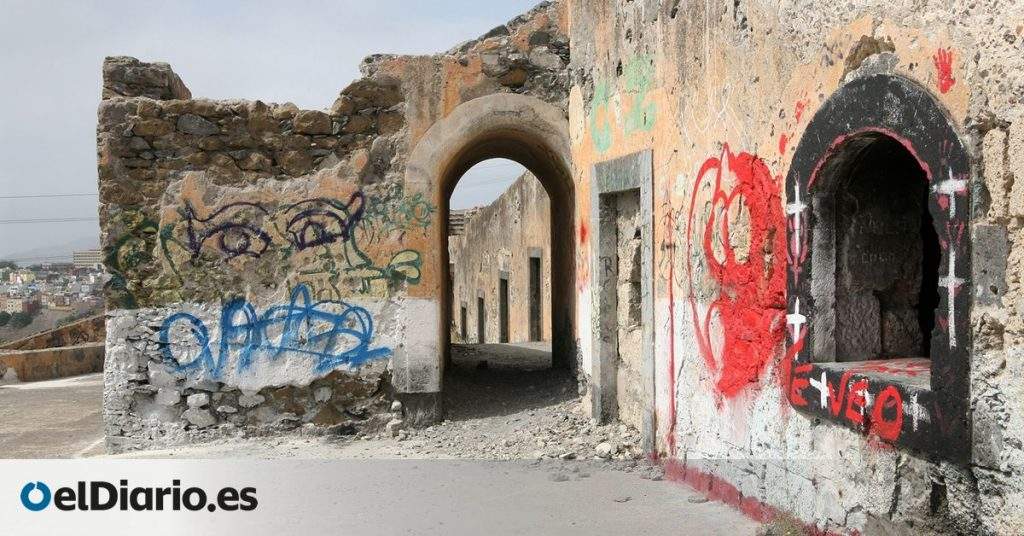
(50, 363)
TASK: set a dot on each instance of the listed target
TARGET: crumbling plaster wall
(273, 266)
(499, 240)
(722, 93)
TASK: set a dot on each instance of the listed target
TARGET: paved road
(52, 419)
(390, 497)
(61, 418)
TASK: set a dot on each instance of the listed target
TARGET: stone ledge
(51, 363)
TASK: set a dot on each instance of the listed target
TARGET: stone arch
(533, 133)
(857, 116)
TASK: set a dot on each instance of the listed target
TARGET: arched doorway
(879, 274)
(534, 134)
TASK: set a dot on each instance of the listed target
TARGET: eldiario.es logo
(100, 495)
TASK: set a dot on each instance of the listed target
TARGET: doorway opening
(515, 132)
(499, 234)
(481, 320)
(462, 322)
(885, 252)
(503, 319)
(879, 279)
(535, 298)
(621, 299)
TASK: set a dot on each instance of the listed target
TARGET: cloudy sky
(298, 51)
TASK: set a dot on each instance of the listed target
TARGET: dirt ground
(502, 402)
(52, 419)
(515, 446)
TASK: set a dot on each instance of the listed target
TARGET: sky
(297, 51)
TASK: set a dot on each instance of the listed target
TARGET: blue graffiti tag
(312, 329)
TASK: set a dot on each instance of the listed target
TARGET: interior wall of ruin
(498, 241)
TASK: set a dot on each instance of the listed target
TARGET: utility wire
(35, 196)
(35, 259)
(48, 220)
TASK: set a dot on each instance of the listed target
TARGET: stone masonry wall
(723, 93)
(500, 239)
(271, 266)
(86, 330)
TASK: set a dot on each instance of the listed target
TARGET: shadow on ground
(488, 380)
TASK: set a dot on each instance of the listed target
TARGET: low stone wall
(87, 330)
(50, 363)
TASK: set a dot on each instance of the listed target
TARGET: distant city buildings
(53, 286)
(28, 305)
(21, 277)
(89, 258)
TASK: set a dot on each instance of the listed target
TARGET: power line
(48, 220)
(36, 259)
(34, 196)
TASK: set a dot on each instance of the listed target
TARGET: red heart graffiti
(751, 292)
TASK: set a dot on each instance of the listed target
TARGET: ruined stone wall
(81, 331)
(732, 98)
(40, 364)
(274, 266)
(499, 241)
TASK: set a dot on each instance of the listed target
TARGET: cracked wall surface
(722, 94)
(272, 266)
(199, 199)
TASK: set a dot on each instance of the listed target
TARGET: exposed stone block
(991, 250)
(312, 122)
(198, 400)
(992, 150)
(124, 76)
(167, 396)
(1015, 152)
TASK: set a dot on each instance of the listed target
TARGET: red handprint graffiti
(749, 280)
(943, 60)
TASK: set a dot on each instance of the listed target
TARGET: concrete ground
(52, 419)
(474, 497)
(516, 455)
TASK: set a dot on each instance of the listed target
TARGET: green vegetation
(20, 320)
(5, 317)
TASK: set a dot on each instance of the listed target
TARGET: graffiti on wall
(735, 249)
(852, 398)
(628, 110)
(943, 60)
(393, 214)
(328, 334)
(345, 244)
(129, 253)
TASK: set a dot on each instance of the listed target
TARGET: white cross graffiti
(796, 320)
(822, 387)
(795, 209)
(867, 400)
(950, 188)
(950, 282)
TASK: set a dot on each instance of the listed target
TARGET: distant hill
(52, 253)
